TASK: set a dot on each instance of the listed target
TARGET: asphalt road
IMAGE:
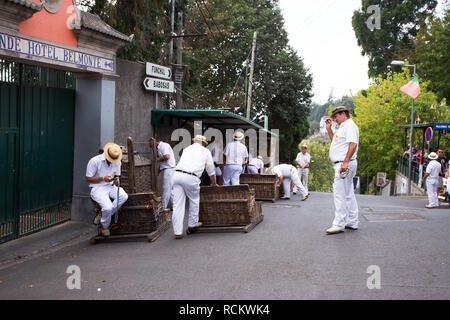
(287, 256)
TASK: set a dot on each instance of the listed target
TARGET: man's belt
(343, 161)
(192, 174)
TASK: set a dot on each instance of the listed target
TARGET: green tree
(400, 23)
(321, 173)
(380, 111)
(282, 84)
(147, 20)
(432, 55)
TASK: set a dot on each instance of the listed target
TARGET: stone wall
(133, 103)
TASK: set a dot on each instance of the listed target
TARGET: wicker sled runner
(264, 185)
(229, 208)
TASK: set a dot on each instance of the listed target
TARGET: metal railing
(415, 168)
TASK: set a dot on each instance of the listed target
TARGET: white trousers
(252, 170)
(432, 193)
(185, 185)
(303, 174)
(297, 183)
(167, 176)
(103, 195)
(231, 174)
(346, 207)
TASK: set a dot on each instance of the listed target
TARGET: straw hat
(112, 152)
(338, 109)
(305, 146)
(433, 156)
(200, 138)
(238, 135)
(260, 158)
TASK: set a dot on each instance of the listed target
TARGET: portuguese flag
(412, 88)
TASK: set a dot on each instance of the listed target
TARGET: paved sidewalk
(44, 242)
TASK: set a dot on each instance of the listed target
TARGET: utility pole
(172, 30)
(179, 67)
(250, 85)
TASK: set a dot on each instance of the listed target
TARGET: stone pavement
(287, 256)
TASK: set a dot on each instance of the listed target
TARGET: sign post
(158, 80)
(428, 134)
(381, 179)
(157, 71)
(159, 85)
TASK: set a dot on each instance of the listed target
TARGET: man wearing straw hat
(303, 159)
(343, 151)
(102, 175)
(166, 159)
(186, 183)
(236, 155)
(432, 176)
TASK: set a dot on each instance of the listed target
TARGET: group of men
(182, 180)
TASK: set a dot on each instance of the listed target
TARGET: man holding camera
(343, 151)
(102, 174)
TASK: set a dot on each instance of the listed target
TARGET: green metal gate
(36, 148)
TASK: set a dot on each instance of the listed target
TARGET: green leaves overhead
(282, 84)
(400, 23)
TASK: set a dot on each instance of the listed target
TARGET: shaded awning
(434, 125)
(219, 119)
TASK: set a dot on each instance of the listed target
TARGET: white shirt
(98, 167)
(303, 158)
(195, 159)
(235, 152)
(283, 170)
(218, 172)
(258, 163)
(348, 132)
(163, 149)
(433, 169)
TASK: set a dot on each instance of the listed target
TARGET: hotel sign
(54, 53)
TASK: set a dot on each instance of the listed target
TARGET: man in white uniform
(432, 176)
(303, 159)
(186, 183)
(101, 174)
(343, 151)
(285, 174)
(236, 155)
(167, 164)
(255, 165)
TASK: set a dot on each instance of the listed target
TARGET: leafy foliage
(400, 23)
(321, 174)
(282, 84)
(380, 112)
(432, 55)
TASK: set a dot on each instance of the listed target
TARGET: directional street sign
(153, 84)
(155, 70)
